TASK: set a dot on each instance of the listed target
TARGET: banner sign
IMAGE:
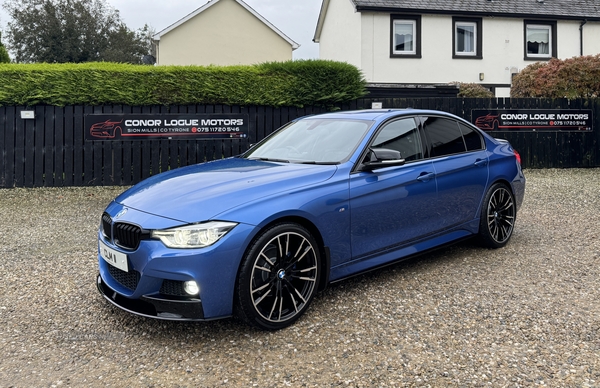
(533, 120)
(200, 126)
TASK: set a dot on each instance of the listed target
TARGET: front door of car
(392, 206)
(461, 168)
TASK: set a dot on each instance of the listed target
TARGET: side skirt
(370, 263)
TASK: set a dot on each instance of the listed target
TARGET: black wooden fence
(568, 149)
(51, 149)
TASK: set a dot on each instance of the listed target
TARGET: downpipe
(583, 22)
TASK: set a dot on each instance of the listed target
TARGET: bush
(294, 83)
(472, 90)
(4, 58)
(572, 78)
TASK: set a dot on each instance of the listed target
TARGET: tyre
(279, 277)
(498, 215)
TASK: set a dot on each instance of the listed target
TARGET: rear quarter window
(473, 139)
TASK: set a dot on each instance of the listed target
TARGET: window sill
(538, 59)
(467, 56)
(408, 56)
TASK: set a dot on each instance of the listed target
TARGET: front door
(392, 206)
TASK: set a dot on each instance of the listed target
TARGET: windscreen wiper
(271, 160)
(315, 162)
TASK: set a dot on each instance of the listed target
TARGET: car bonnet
(197, 193)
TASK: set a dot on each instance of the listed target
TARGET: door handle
(426, 176)
(481, 162)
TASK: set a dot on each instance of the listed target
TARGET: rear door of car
(460, 163)
(392, 206)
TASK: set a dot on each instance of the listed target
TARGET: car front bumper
(168, 308)
(152, 282)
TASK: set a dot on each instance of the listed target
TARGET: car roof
(377, 114)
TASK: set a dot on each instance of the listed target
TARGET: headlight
(193, 236)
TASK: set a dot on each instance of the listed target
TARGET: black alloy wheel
(498, 216)
(278, 277)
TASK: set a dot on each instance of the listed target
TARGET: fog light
(191, 287)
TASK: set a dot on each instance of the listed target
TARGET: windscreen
(320, 141)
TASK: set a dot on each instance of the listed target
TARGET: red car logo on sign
(488, 122)
(106, 129)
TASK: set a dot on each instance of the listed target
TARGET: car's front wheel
(278, 277)
(498, 216)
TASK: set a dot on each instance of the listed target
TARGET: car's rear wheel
(498, 216)
(278, 277)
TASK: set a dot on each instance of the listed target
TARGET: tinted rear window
(445, 136)
(473, 139)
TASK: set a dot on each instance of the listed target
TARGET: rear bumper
(155, 306)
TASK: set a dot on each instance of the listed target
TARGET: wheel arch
(501, 180)
(505, 182)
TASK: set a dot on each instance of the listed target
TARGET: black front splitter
(158, 307)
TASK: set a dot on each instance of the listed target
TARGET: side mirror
(381, 158)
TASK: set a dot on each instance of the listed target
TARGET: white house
(222, 32)
(442, 41)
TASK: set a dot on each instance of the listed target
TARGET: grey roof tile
(576, 9)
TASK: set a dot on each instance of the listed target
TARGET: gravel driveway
(524, 315)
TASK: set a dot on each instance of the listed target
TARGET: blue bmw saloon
(321, 199)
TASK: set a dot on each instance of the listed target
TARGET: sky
(295, 18)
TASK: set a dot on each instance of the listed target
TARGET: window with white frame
(405, 39)
(540, 40)
(404, 36)
(467, 38)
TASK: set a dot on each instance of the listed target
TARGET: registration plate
(113, 257)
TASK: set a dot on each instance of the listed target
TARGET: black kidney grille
(107, 226)
(172, 287)
(128, 280)
(127, 236)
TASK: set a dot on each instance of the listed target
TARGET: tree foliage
(71, 31)
(577, 77)
(4, 58)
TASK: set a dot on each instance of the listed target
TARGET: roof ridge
(560, 9)
(209, 4)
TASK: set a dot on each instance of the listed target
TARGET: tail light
(517, 156)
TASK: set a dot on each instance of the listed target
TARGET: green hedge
(293, 83)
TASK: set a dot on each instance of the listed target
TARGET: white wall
(568, 39)
(503, 51)
(341, 34)
(224, 34)
(363, 39)
(591, 38)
